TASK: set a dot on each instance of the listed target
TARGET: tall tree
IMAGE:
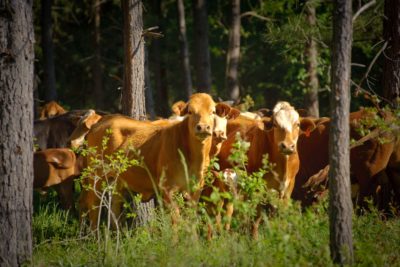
(187, 76)
(97, 69)
(340, 206)
(133, 96)
(16, 131)
(160, 72)
(202, 51)
(49, 78)
(391, 67)
(147, 86)
(312, 83)
(232, 56)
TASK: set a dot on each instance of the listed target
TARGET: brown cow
(84, 125)
(57, 167)
(276, 136)
(368, 161)
(159, 145)
(51, 109)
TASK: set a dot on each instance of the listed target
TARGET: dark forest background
(272, 66)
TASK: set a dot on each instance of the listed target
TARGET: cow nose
(287, 148)
(203, 128)
(219, 135)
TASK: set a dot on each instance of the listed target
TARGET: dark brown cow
(368, 161)
(57, 168)
(55, 132)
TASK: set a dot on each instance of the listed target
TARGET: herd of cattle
(200, 129)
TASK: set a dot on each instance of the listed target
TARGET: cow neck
(258, 147)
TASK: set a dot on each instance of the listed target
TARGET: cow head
(287, 125)
(84, 125)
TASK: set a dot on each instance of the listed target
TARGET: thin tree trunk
(96, 63)
(133, 97)
(147, 86)
(187, 77)
(391, 67)
(202, 52)
(48, 52)
(16, 132)
(340, 206)
(159, 67)
(311, 96)
(232, 57)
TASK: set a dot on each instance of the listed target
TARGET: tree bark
(16, 131)
(97, 69)
(391, 67)
(340, 206)
(159, 67)
(233, 54)
(312, 83)
(187, 77)
(202, 52)
(49, 78)
(133, 97)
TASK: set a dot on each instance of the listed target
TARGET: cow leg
(394, 178)
(257, 222)
(383, 195)
(89, 207)
(65, 191)
(228, 215)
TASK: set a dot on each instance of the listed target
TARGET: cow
(368, 160)
(51, 109)
(276, 136)
(57, 168)
(161, 147)
(55, 132)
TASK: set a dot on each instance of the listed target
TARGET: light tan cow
(51, 109)
(159, 146)
(84, 125)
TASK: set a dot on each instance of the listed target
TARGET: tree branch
(363, 8)
(254, 14)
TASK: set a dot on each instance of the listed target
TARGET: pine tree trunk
(97, 69)
(311, 96)
(16, 132)
(233, 54)
(48, 52)
(187, 77)
(202, 52)
(391, 67)
(340, 206)
(159, 67)
(133, 97)
(147, 86)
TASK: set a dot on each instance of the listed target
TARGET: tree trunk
(49, 79)
(97, 70)
(16, 132)
(159, 67)
(187, 77)
(133, 98)
(232, 57)
(340, 206)
(391, 67)
(202, 52)
(147, 86)
(312, 86)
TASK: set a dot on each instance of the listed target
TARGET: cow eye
(213, 112)
(190, 112)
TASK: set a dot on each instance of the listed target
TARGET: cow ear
(222, 109)
(233, 114)
(90, 121)
(178, 108)
(268, 123)
(307, 126)
(184, 109)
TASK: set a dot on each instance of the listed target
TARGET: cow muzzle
(219, 136)
(287, 149)
(202, 131)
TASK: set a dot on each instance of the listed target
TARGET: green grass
(289, 238)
